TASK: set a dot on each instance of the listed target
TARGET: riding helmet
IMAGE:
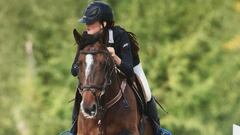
(97, 11)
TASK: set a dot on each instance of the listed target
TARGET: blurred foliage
(190, 51)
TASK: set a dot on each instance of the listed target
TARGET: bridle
(107, 82)
(94, 87)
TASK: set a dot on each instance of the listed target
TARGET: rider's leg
(75, 112)
(151, 109)
(141, 77)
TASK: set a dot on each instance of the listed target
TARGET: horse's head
(95, 69)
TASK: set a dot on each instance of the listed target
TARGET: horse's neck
(114, 88)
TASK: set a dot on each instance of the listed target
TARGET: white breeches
(138, 70)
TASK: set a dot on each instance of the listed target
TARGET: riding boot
(151, 111)
(75, 112)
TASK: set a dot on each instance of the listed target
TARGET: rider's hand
(117, 60)
(112, 51)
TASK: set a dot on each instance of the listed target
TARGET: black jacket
(123, 50)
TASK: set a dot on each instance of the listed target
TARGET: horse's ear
(78, 37)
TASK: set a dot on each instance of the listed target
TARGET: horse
(108, 105)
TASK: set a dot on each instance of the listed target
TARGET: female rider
(98, 17)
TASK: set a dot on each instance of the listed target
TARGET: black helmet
(97, 11)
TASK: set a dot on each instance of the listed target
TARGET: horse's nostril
(91, 110)
(94, 107)
(87, 110)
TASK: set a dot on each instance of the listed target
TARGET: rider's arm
(124, 50)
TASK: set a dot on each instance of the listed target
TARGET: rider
(98, 17)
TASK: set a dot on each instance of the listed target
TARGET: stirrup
(164, 131)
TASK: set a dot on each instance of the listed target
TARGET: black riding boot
(151, 111)
(75, 112)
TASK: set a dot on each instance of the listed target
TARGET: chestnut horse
(108, 105)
